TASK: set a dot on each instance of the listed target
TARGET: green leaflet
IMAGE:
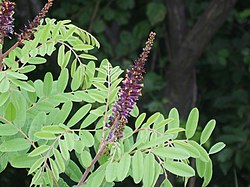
(88, 57)
(88, 120)
(208, 173)
(135, 111)
(36, 165)
(191, 150)
(54, 169)
(54, 129)
(4, 85)
(157, 141)
(59, 160)
(149, 170)
(39, 150)
(23, 85)
(36, 60)
(201, 167)
(111, 171)
(4, 97)
(62, 115)
(98, 178)
(179, 168)
(85, 158)
(45, 135)
(10, 112)
(137, 167)
(166, 183)
(192, 123)
(78, 77)
(27, 68)
(16, 75)
(64, 149)
(206, 133)
(61, 55)
(123, 166)
(139, 120)
(171, 152)
(203, 153)
(36, 124)
(62, 80)
(73, 171)
(16, 144)
(70, 140)
(8, 130)
(22, 161)
(152, 119)
(217, 147)
(87, 138)
(79, 115)
(173, 114)
(83, 47)
(47, 84)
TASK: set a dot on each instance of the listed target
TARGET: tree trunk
(186, 47)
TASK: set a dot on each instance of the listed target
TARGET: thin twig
(11, 48)
(100, 152)
(19, 130)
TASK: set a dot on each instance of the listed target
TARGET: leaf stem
(100, 152)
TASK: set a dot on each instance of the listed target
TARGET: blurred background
(201, 58)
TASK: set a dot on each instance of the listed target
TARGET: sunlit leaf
(152, 119)
(87, 138)
(62, 80)
(59, 160)
(149, 170)
(171, 152)
(17, 144)
(206, 133)
(45, 135)
(179, 168)
(4, 85)
(36, 165)
(48, 83)
(79, 115)
(139, 120)
(123, 166)
(208, 173)
(192, 123)
(86, 158)
(73, 171)
(137, 167)
(217, 148)
(39, 150)
(4, 97)
(173, 114)
(87, 56)
(36, 60)
(8, 130)
(111, 171)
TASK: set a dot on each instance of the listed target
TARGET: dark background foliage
(201, 58)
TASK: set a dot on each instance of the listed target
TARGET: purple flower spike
(128, 94)
(6, 18)
(28, 31)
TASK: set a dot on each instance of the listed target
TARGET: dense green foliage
(38, 132)
(222, 73)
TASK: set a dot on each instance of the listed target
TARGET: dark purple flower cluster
(128, 94)
(6, 18)
(28, 31)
